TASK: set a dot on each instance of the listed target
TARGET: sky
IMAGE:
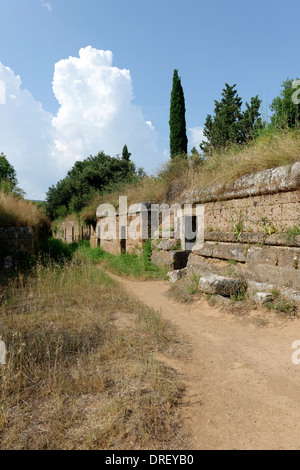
(78, 77)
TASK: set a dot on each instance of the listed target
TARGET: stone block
(219, 285)
(171, 259)
(263, 297)
(167, 245)
(176, 275)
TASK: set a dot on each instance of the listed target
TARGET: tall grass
(17, 212)
(267, 151)
(76, 378)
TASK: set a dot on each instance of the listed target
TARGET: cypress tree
(178, 137)
(125, 154)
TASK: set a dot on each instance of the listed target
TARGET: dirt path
(242, 389)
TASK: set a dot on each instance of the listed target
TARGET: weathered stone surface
(163, 258)
(206, 266)
(280, 277)
(228, 251)
(292, 294)
(263, 297)
(167, 245)
(176, 275)
(206, 250)
(253, 238)
(287, 293)
(274, 180)
(283, 257)
(263, 214)
(220, 285)
(231, 237)
(171, 259)
(260, 273)
(282, 240)
(253, 287)
(262, 255)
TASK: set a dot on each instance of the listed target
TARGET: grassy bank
(81, 371)
(17, 212)
(131, 265)
(174, 178)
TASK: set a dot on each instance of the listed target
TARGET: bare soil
(242, 389)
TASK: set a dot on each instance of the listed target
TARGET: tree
(230, 125)
(178, 137)
(251, 121)
(125, 154)
(7, 172)
(286, 112)
(95, 174)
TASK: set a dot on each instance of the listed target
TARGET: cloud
(48, 6)
(195, 137)
(26, 136)
(96, 112)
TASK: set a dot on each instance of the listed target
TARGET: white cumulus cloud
(26, 135)
(96, 112)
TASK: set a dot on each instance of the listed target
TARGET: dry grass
(186, 289)
(266, 152)
(76, 376)
(174, 178)
(17, 212)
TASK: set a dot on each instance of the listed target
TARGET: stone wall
(72, 231)
(12, 241)
(263, 264)
(267, 213)
(121, 232)
(17, 238)
(251, 230)
(114, 243)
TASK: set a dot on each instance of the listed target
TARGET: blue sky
(253, 44)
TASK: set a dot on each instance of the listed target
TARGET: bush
(84, 180)
(147, 253)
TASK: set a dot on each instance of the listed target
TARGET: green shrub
(147, 253)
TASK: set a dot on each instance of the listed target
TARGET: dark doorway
(99, 237)
(123, 240)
